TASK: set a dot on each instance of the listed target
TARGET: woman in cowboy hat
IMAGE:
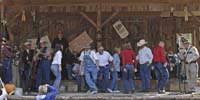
(145, 58)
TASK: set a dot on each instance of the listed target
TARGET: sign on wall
(120, 29)
(78, 43)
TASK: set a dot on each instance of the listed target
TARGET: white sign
(120, 29)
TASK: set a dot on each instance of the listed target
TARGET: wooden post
(99, 31)
(109, 19)
(89, 19)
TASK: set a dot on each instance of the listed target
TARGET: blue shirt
(116, 62)
(145, 55)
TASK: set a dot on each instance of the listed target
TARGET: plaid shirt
(6, 53)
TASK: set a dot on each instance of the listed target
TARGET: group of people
(97, 66)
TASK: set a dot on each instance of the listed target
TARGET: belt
(191, 62)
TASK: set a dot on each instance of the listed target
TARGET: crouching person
(46, 92)
(89, 63)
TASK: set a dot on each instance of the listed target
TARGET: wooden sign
(78, 43)
(120, 29)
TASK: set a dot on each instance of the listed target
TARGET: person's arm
(195, 54)
(81, 63)
(150, 55)
(135, 61)
(163, 56)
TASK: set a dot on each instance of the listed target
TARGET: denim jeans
(91, 77)
(43, 73)
(57, 74)
(103, 73)
(69, 71)
(7, 69)
(162, 75)
(127, 78)
(145, 74)
(114, 82)
(78, 81)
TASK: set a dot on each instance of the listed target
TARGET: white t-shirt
(57, 58)
(104, 58)
(91, 53)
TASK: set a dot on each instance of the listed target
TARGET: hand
(97, 67)
(165, 64)
(124, 69)
(133, 61)
(60, 68)
(135, 69)
(112, 69)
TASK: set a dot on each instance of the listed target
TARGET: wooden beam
(89, 19)
(109, 19)
(99, 18)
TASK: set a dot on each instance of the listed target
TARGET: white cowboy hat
(141, 43)
(27, 43)
(42, 41)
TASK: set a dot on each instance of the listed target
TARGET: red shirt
(128, 57)
(159, 54)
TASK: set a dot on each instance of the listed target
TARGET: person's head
(185, 42)
(161, 43)
(27, 45)
(142, 43)
(100, 49)
(42, 43)
(128, 45)
(60, 35)
(117, 50)
(42, 89)
(171, 51)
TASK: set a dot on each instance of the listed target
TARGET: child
(46, 92)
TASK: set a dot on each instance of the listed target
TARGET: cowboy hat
(141, 43)
(42, 41)
(184, 40)
(27, 43)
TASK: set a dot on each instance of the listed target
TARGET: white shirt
(145, 55)
(91, 53)
(104, 58)
(57, 58)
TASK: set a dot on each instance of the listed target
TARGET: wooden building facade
(152, 20)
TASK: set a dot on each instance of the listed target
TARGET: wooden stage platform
(118, 96)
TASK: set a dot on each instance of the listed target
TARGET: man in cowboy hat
(44, 55)
(90, 63)
(27, 58)
(145, 58)
(191, 55)
(161, 71)
(7, 55)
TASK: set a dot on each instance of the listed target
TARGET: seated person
(78, 75)
(46, 92)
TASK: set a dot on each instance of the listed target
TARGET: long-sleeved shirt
(51, 95)
(145, 55)
(116, 62)
(191, 54)
(128, 57)
(159, 54)
(27, 56)
(104, 58)
(6, 53)
(57, 58)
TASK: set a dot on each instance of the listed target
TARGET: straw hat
(141, 43)
(42, 89)
(27, 43)
(42, 41)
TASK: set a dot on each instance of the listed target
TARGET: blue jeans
(7, 69)
(145, 74)
(127, 78)
(91, 77)
(69, 71)
(78, 81)
(162, 75)
(57, 74)
(104, 71)
(114, 82)
(43, 73)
